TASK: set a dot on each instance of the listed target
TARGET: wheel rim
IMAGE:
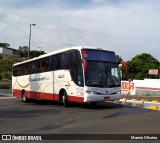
(24, 97)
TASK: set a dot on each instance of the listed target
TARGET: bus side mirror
(85, 65)
(125, 65)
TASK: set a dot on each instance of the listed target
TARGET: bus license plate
(106, 98)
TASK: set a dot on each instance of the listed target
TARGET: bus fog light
(118, 92)
(91, 92)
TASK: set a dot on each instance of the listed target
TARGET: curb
(141, 105)
(155, 101)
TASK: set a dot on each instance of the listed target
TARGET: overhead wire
(25, 34)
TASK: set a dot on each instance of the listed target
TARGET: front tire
(24, 98)
(65, 99)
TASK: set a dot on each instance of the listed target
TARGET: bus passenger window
(15, 71)
(44, 65)
(64, 61)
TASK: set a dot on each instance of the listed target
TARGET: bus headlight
(91, 92)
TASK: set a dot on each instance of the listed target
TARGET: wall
(141, 87)
(1, 50)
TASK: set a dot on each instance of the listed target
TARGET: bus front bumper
(95, 98)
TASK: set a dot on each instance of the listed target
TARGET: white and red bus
(77, 74)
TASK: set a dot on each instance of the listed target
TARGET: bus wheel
(65, 99)
(24, 99)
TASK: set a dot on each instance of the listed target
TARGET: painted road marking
(154, 107)
(154, 104)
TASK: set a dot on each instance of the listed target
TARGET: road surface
(40, 117)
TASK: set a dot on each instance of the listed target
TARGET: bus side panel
(50, 96)
(18, 84)
(36, 86)
(62, 80)
(46, 86)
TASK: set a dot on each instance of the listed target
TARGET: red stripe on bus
(45, 96)
(75, 99)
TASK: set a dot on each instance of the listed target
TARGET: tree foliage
(33, 53)
(6, 67)
(140, 65)
(6, 45)
(6, 62)
(119, 58)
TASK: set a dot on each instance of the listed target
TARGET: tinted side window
(58, 62)
(33, 67)
(24, 69)
(44, 65)
(74, 57)
(38, 67)
(77, 55)
(15, 71)
(50, 63)
(72, 60)
(64, 61)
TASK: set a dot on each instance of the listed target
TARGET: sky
(128, 27)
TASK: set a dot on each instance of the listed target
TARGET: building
(24, 48)
(7, 51)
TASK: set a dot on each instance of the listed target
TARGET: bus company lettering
(43, 78)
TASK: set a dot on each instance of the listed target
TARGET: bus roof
(60, 51)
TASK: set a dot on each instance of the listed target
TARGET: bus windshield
(103, 69)
(102, 74)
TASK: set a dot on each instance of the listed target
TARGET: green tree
(6, 67)
(5, 45)
(119, 58)
(33, 53)
(140, 65)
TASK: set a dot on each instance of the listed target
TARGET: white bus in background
(77, 74)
